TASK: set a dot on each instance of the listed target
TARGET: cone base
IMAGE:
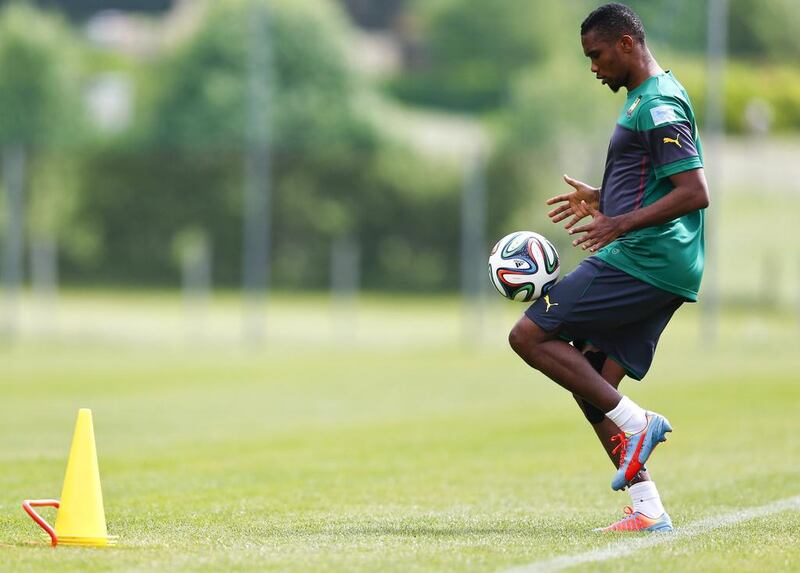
(87, 541)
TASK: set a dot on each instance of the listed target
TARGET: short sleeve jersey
(655, 137)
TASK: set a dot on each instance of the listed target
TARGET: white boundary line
(623, 548)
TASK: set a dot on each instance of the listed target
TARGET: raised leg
(562, 363)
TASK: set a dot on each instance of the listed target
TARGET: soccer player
(646, 241)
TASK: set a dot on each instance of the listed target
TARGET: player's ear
(626, 43)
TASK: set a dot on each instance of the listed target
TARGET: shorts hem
(553, 330)
(629, 371)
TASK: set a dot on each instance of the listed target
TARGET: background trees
(117, 206)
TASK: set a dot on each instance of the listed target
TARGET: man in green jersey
(646, 238)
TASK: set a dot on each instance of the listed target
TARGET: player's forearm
(678, 202)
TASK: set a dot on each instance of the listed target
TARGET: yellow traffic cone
(81, 519)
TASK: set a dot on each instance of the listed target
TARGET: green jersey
(655, 137)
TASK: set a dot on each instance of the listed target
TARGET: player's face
(608, 59)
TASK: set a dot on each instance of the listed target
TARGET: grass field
(391, 449)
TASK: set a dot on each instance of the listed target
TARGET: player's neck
(647, 68)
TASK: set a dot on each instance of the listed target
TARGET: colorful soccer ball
(523, 266)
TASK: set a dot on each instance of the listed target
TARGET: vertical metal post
(345, 281)
(14, 183)
(195, 261)
(714, 138)
(797, 293)
(473, 247)
(256, 204)
(43, 253)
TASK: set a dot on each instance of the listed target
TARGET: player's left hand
(599, 233)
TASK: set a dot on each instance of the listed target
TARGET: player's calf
(597, 359)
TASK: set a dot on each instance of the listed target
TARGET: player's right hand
(571, 202)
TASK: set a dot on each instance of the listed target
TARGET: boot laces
(622, 446)
(630, 521)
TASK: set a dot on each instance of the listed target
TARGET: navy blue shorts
(601, 305)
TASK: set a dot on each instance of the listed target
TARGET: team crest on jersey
(634, 105)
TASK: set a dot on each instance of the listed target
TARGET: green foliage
(469, 54)
(203, 86)
(41, 113)
(776, 86)
(332, 172)
(757, 29)
(765, 30)
(136, 199)
(183, 169)
(410, 223)
(471, 50)
(39, 94)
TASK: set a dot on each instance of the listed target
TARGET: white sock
(628, 416)
(645, 498)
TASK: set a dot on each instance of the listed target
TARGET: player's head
(613, 38)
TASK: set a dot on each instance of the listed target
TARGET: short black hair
(613, 21)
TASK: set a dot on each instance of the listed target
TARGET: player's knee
(524, 339)
(516, 339)
(519, 338)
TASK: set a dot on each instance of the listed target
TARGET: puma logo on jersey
(675, 141)
(548, 303)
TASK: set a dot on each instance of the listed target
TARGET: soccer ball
(523, 266)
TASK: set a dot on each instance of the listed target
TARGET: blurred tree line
(119, 207)
(467, 55)
(177, 172)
